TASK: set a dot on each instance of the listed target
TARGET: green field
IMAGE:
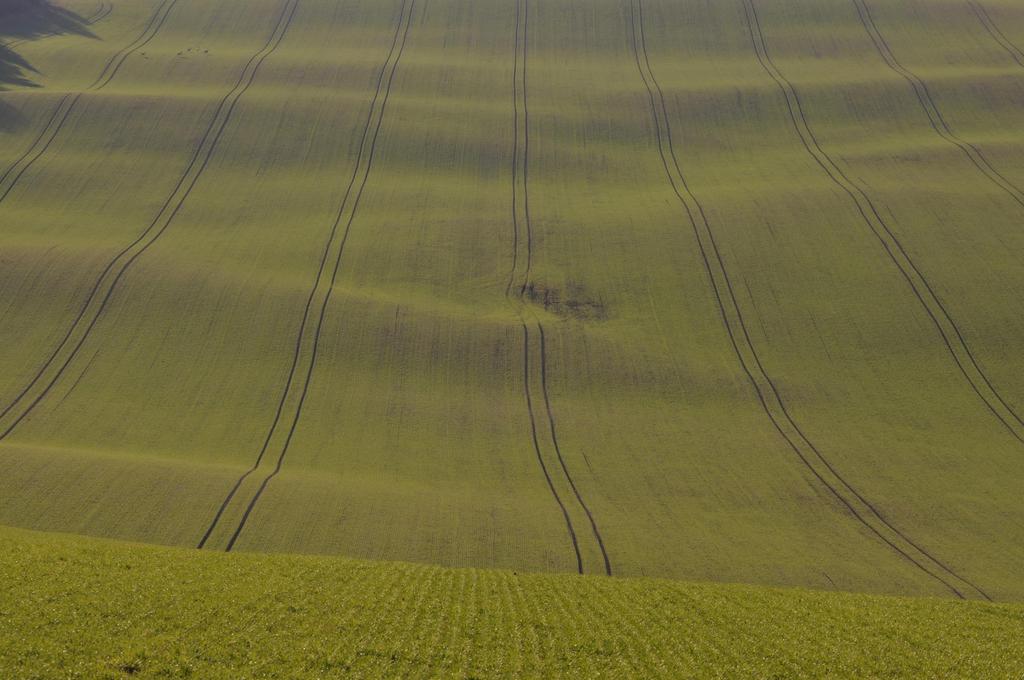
(714, 291)
(175, 613)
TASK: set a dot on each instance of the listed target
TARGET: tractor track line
(103, 14)
(515, 157)
(948, 330)
(525, 41)
(71, 100)
(931, 109)
(739, 337)
(994, 31)
(337, 262)
(100, 13)
(519, 95)
(519, 90)
(540, 457)
(152, 233)
(833, 171)
(49, 134)
(312, 295)
(36, 141)
(558, 452)
(115, 64)
(105, 9)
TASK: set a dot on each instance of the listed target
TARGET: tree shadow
(20, 22)
(14, 69)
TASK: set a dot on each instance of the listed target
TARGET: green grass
(76, 607)
(412, 436)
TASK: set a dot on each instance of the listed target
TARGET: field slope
(716, 291)
(91, 608)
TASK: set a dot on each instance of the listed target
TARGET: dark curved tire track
(104, 287)
(520, 147)
(150, 32)
(833, 171)
(520, 170)
(105, 11)
(735, 326)
(35, 142)
(512, 275)
(66, 105)
(558, 452)
(997, 34)
(948, 330)
(386, 77)
(1007, 415)
(61, 112)
(935, 118)
(540, 456)
(310, 299)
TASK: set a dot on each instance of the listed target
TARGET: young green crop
(85, 608)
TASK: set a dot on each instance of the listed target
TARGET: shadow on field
(12, 70)
(13, 67)
(20, 22)
(24, 20)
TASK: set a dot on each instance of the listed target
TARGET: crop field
(172, 613)
(724, 291)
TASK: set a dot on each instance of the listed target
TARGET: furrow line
(993, 30)
(931, 109)
(540, 456)
(106, 11)
(115, 64)
(513, 273)
(44, 134)
(296, 391)
(103, 289)
(521, 207)
(520, 158)
(561, 459)
(743, 347)
(523, 39)
(865, 208)
(66, 105)
(948, 330)
(297, 353)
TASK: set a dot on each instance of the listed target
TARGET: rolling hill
(713, 291)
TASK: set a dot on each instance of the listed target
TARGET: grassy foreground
(80, 607)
